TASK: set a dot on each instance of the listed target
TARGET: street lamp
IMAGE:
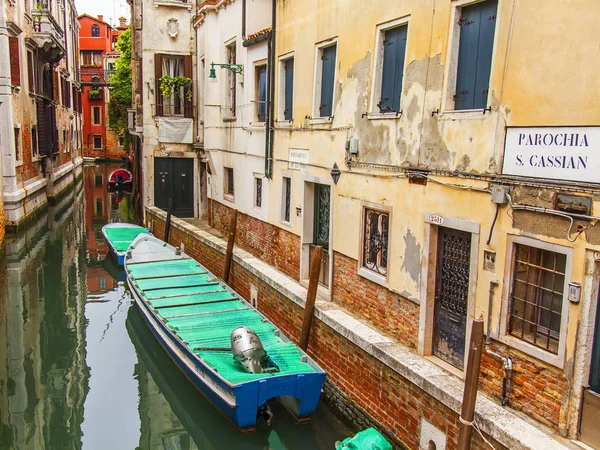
(335, 173)
(233, 68)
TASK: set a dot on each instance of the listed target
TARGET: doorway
(590, 409)
(174, 178)
(451, 295)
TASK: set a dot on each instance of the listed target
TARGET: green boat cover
(121, 238)
(369, 439)
(203, 312)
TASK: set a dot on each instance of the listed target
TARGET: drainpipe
(272, 93)
(243, 20)
(7, 139)
(507, 365)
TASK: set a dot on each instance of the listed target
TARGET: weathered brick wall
(275, 246)
(539, 390)
(29, 169)
(371, 391)
(383, 309)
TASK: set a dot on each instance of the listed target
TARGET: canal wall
(372, 379)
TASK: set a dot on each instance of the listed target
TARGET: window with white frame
(97, 142)
(375, 240)
(286, 89)
(537, 296)
(96, 115)
(228, 182)
(260, 92)
(35, 149)
(18, 154)
(473, 45)
(258, 193)
(286, 199)
(325, 80)
(389, 68)
(231, 85)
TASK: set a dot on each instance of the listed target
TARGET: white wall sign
(298, 159)
(175, 130)
(560, 153)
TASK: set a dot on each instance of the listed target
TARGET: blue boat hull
(300, 393)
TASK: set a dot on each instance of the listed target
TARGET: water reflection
(78, 366)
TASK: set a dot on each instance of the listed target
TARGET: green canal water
(78, 367)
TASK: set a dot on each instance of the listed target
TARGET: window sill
(465, 114)
(320, 120)
(257, 125)
(284, 123)
(285, 223)
(229, 198)
(372, 276)
(532, 350)
(19, 163)
(229, 119)
(384, 116)
(176, 4)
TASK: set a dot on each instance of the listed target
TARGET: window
(91, 58)
(30, 71)
(477, 26)
(260, 92)
(35, 149)
(99, 206)
(121, 140)
(98, 179)
(392, 51)
(231, 86)
(286, 199)
(96, 115)
(229, 185)
(15, 61)
(537, 296)
(178, 100)
(97, 142)
(325, 80)
(17, 143)
(258, 182)
(375, 241)
(287, 88)
(65, 141)
(95, 31)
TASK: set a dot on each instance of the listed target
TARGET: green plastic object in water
(369, 439)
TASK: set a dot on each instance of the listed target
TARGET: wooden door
(174, 178)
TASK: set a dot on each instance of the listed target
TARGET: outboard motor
(248, 350)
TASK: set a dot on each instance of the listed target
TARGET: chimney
(101, 18)
(122, 22)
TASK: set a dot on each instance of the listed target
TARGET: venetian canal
(79, 368)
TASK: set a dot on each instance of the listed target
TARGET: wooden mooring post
(168, 221)
(230, 242)
(313, 285)
(471, 383)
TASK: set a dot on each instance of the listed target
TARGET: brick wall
(539, 390)
(275, 246)
(390, 313)
(374, 393)
(29, 169)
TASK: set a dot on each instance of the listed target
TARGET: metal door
(174, 178)
(451, 295)
(590, 410)
(321, 228)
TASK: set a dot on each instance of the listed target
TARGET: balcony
(95, 76)
(96, 93)
(48, 34)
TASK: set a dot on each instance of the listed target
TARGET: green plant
(169, 84)
(95, 91)
(120, 90)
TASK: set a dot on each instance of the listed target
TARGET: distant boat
(120, 180)
(119, 236)
(196, 318)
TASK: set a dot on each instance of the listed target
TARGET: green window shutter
(289, 89)
(262, 93)
(394, 50)
(477, 27)
(327, 81)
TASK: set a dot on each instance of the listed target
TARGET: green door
(174, 178)
(321, 230)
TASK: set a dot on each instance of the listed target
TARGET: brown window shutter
(15, 61)
(30, 74)
(157, 75)
(55, 86)
(188, 73)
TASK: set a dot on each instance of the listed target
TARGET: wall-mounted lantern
(335, 173)
(234, 68)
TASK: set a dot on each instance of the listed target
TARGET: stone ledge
(504, 425)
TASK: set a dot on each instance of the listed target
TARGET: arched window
(95, 31)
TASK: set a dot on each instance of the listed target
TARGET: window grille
(258, 192)
(375, 241)
(229, 186)
(537, 296)
(287, 198)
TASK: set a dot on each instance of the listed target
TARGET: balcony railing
(94, 75)
(173, 110)
(48, 33)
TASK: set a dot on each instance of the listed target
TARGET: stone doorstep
(502, 424)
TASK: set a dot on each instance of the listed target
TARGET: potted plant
(169, 84)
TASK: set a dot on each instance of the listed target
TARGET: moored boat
(119, 236)
(120, 180)
(199, 321)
